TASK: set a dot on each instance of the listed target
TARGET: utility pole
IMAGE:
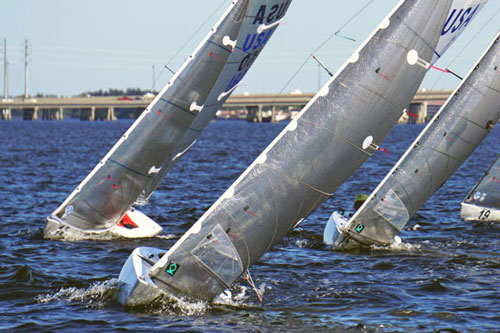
(319, 77)
(154, 78)
(5, 75)
(26, 69)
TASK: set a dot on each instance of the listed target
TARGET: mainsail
(483, 201)
(455, 131)
(334, 134)
(167, 128)
(246, 49)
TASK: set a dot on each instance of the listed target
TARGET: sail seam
(219, 46)
(336, 135)
(129, 169)
(442, 153)
(92, 207)
(178, 106)
(470, 121)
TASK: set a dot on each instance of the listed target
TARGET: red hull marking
(126, 222)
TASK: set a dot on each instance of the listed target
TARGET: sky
(78, 46)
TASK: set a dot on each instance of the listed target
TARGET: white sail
(246, 49)
(456, 130)
(483, 201)
(332, 136)
(155, 140)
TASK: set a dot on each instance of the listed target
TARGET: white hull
(136, 287)
(470, 212)
(334, 234)
(333, 229)
(134, 224)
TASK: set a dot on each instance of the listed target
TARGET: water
(445, 274)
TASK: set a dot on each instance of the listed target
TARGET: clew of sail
(456, 130)
(483, 201)
(332, 136)
(246, 48)
(104, 196)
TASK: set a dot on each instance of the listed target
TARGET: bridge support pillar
(110, 115)
(273, 114)
(254, 113)
(6, 114)
(30, 114)
(60, 114)
(87, 114)
(419, 109)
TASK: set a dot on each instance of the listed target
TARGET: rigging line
(188, 41)
(463, 49)
(316, 49)
(349, 21)
(247, 277)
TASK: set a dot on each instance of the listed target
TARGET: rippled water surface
(445, 275)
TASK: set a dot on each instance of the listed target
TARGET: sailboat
(340, 127)
(466, 118)
(483, 201)
(104, 203)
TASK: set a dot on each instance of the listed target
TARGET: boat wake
(97, 295)
(397, 245)
(72, 235)
(104, 293)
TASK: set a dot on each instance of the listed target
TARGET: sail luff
(311, 157)
(366, 225)
(159, 99)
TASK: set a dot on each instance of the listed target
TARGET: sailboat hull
(470, 212)
(134, 224)
(136, 287)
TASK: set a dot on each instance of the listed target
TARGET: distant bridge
(92, 108)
